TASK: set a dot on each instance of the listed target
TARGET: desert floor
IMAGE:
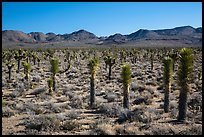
(67, 110)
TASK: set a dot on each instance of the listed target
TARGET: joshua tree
(109, 61)
(167, 81)
(19, 56)
(174, 57)
(38, 60)
(54, 69)
(68, 56)
(10, 66)
(27, 69)
(34, 56)
(152, 60)
(185, 70)
(126, 79)
(93, 67)
(50, 84)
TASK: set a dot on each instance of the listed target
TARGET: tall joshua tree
(184, 74)
(10, 66)
(126, 79)
(93, 67)
(27, 69)
(168, 71)
(110, 61)
(54, 69)
(19, 56)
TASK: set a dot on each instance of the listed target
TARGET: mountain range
(178, 36)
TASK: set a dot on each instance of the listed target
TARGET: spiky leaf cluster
(174, 56)
(168, 69)
(93, 66)
(126, 75)
(50, 82)
(54, 65)
(27, 67)
(186, 65)
(109, 60)
(10, 65)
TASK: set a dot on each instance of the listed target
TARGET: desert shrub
(173, 113)
(168, 129)
(33, 109)
(70, 125)
(163, 130)
(43, 123)
(146, 98)
(36, 78)
(32, 132)
(192, 130)
(7, 112)
(104, 129)
(112, 110)
(111, 97)
(76, 102)
(69, 94)
(127, 129)
(138, 115)
(54, 108)
(154, 113)
(37, 91)
(18, 91)
(73, 114)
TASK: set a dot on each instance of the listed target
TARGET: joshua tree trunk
(92, 93)
(54, 83)
(126, 97)
(27, 59)
(166, 98)
(183, 103)
(135, 60)
(152, 65)
(19, 63)
(109, 74)
(10, 74)
(27, 75)
(34, 61)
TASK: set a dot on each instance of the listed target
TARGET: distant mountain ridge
(183, 34)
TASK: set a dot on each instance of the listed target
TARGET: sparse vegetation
(86, 103)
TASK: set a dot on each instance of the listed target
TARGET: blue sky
(100, 18)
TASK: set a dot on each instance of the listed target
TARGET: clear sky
(100, 18)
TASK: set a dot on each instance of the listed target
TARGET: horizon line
(103, 35)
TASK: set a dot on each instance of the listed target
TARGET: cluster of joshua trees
(184, 56)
